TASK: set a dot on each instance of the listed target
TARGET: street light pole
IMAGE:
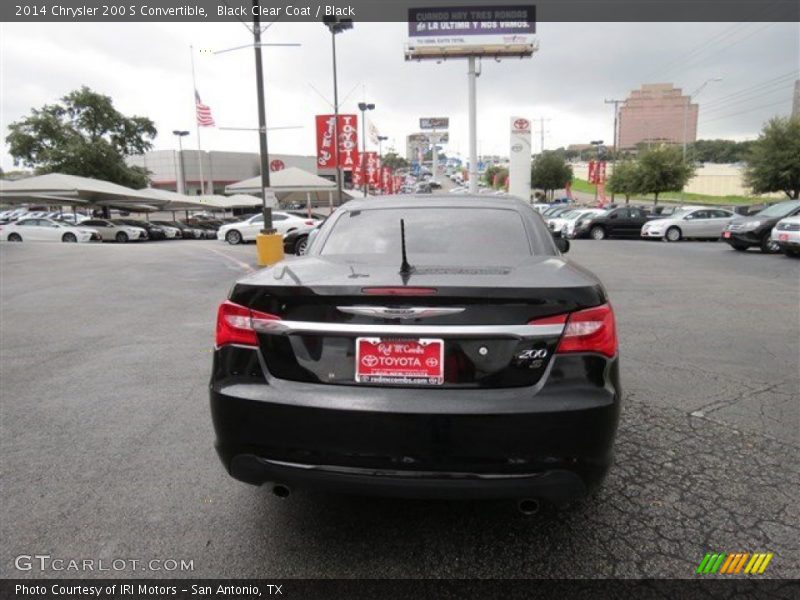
(686, 110)
(262, 122)
(616, 104)
(364, 107)
(336, 25)
(597, 144)
(180, 134)
(381, 139)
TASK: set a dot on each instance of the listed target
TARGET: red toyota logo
(522, 124)
(276, 165)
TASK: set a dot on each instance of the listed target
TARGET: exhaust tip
(528, 506)
(281, 491)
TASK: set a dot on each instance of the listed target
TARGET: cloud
(145, 67)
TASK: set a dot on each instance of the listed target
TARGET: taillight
(590, 330)
(236, 324)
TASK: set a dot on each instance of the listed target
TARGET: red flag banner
(386, 180)
(358, 176)
(372, 165)
(348, 141)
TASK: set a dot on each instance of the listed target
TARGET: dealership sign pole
(519, 168)
(491, 31)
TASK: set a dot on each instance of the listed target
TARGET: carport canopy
(58, 188)
(291, 179)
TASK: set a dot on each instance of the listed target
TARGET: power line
(756, 88)
(745, 111)
(727, 105)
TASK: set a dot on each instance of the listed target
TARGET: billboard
(348, 142)
(434, 123)
(519, 167)
(459, 32)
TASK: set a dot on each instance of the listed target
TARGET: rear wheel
(791, 252)
(739, 247)
(14, 237)
(121, 237)
(598, 233)
(233, 237)
(69, 238)
(673, 234)
(769, 246)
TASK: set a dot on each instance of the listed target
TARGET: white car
(70, 218)
(46, 230)
(246, 231)
(690, 222)
(786, 234)
(565, 223)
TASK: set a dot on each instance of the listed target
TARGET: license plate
(783, 237)
(727, 234)
(400, 361)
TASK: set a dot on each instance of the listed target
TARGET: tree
(550, 171)
(83, 135)
(394, 160)
(624, 179)
(662, 169)
(719, 151)
(774, 161)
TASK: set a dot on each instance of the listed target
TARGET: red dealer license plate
(783, 237)
(726, 234)
(400, 361)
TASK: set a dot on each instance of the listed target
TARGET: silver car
(696, 222)
(113, 232)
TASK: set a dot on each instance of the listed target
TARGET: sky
(146, 69)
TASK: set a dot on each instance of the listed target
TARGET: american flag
(204, 118)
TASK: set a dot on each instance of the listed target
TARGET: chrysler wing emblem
(393, 312)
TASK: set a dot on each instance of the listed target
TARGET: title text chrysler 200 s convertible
(424, 347)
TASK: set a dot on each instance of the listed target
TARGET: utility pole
(616, 104)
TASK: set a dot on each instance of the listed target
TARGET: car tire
(69, 238)
(14, 237)
(597, 233)
(121, 237)
(791, 252)
(301, 245)
(233, 237)
(768, 245)
(739, 247)
(673, 234)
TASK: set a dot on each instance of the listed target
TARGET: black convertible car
(424, 347)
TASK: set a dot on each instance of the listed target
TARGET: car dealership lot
(107, 440)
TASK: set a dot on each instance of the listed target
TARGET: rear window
(463, 232)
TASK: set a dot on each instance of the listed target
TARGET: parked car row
(122, 230)
(773, 229)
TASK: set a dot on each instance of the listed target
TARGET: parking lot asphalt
(107, 443)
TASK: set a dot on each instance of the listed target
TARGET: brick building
(657, 113)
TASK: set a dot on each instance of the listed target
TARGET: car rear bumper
(553, 440)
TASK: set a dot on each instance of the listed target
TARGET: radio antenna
(405, 268)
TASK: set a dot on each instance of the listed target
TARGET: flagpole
(197, 125)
